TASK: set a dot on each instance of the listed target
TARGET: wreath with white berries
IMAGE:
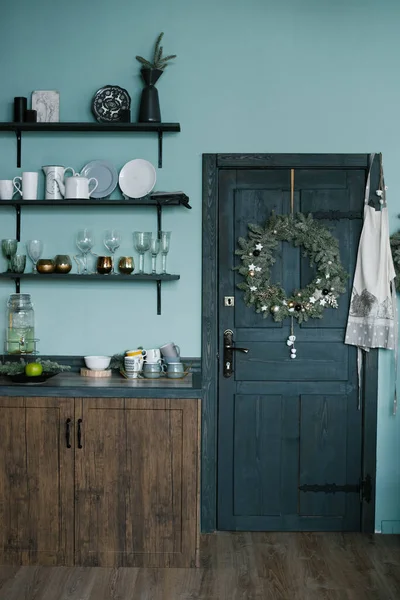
(257, 257)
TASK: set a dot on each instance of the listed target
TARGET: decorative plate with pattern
(108, 103)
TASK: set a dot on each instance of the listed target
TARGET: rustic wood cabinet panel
(136, 495)
(36, 482)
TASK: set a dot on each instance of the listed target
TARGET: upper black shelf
(156, 199)
(71, 127)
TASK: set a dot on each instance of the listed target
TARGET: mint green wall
(255, 76)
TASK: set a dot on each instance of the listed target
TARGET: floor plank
(234, 566)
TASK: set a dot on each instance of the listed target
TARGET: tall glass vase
(149, 111)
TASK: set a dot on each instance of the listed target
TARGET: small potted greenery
(149, 111)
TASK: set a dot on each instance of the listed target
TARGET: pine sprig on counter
(18, 366)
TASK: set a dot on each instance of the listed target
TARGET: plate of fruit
(31, 372)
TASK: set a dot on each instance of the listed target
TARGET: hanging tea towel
(372, 321)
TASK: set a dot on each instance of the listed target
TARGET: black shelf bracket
(19, 144)
(18, 222)
(159, 220)
(17, 285)
(159, 296)
(160, 141)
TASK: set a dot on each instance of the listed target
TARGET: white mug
(6, 189)
(153, 355)
(29, 184)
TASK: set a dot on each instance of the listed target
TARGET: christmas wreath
(257, 258)
(395, 246)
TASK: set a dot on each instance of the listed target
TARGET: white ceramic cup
(7, 190)
(133, 366)
(28, 186)
(153, 355)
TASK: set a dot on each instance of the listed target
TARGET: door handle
(68, 433)
(79, 433)
(229, 349)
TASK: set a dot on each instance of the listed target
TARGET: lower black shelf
(158, 278)
(93, 277)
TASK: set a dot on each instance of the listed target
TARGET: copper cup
(104, 265)
(126, 265)
(45, 265)
(63, 263)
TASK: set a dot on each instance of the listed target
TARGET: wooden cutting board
(89, 373)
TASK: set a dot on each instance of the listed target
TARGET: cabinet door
(137, 482)
(36, 482)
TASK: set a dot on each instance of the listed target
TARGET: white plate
(106, 175)
(137, 178)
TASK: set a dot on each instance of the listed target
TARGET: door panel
(287, 423)
(136, 484)
(36, 482)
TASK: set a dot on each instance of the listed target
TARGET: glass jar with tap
(20, 334)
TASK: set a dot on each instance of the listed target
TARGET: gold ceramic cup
(46, 265)
(104, 265)
(126, 265)
(63, 263)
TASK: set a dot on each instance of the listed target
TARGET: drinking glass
(85, 242)
(112, 241)
(9, 248)
(141, 240)
(154, 249)
(34, 249)
(165, 242)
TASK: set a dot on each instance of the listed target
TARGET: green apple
(33, 369)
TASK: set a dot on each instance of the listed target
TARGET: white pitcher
(55, 175)
(77, 187)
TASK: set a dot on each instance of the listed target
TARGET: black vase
(149, 111)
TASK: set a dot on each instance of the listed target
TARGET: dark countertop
(73, 385)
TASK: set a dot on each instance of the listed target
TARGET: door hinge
(364, 488)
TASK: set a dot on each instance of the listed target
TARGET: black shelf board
(162, 199)
(91, 126)
(95, 277)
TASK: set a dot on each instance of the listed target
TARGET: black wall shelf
(158, 278)
(157, 199)
(159, 128)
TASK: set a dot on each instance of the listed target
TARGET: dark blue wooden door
(284, 424)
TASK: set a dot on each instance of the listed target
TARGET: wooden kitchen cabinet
(136, 486)
(36, 482)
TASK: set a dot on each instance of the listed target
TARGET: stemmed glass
(112, 241)
(9, 248)
(165, 242)
(34, 249)
(85, 242)
(154, 250)
(141, 240)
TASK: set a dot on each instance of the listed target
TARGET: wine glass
(112, 241)
(141, 240)
(34, 249)
(165, 242)
(85, 242)
(154, 250)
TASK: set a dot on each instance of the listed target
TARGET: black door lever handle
(245, 350)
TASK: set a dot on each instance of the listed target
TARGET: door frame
(212, 164)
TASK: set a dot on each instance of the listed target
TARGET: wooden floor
(234, 566)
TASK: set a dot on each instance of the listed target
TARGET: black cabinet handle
(68, 432)
(79, 433)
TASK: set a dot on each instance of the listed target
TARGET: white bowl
(97, 363)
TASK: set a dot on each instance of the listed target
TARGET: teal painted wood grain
(250, 77)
